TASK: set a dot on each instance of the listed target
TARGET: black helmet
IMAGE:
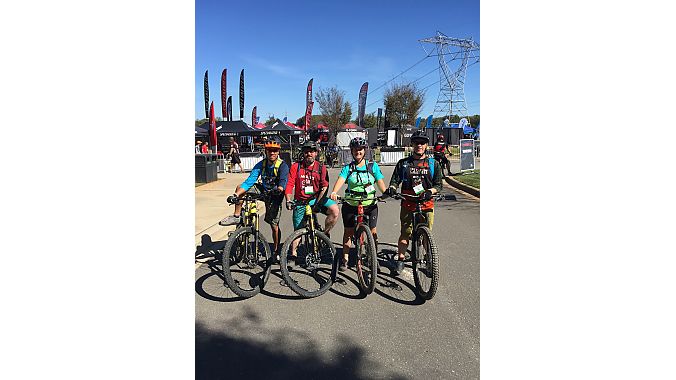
(420, 136)
(309, 145)
(358, 142)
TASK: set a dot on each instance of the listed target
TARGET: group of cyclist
(307, 182)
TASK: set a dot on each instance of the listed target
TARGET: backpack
(404, 166)
(275, 170)
(353, 168)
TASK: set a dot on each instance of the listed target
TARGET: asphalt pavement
(391, 333)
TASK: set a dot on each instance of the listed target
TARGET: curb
(459, 185)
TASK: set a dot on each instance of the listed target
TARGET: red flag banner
(212, 129)
(308, 96)
(253, 117)
(224, 108)
(241, 95)
(206, 94)
(308, 115)
(362, 103)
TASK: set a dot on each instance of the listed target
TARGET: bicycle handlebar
(380, 198)
(254, 197)
(417, 198)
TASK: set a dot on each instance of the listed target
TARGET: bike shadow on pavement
(244, 346)
(276, 287)
(211, 284)
(398, 288)
(209, 250)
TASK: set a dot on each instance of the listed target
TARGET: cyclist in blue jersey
(361, 176)
(273, 173)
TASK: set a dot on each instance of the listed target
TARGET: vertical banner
(386, 120)
(417, 122)
(380, 113)
(253, 117)
(429, 122)
(308, 95)
(362, 103)
(224, 107)
(229, 108)
(308, 116)
(241, 95)
(212, 130)
(206, 94)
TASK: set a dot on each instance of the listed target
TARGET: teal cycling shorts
(299, 211)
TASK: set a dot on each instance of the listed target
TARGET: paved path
(389, 334)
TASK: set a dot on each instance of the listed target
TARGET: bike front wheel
(246, 264)
(367, 261)
(309, 271)
(425, 263)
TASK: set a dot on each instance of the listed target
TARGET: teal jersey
(359, 181)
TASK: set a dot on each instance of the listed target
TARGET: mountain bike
(308, 272)
(365, 245)
(424, 253)
(246, 257)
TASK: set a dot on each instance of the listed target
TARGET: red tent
(259, 126)
(292, 125)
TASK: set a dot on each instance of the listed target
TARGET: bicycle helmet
(309, 145)
(272, 145)
(358, 142)
(420, 136)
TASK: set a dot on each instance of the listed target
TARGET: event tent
(230, 128)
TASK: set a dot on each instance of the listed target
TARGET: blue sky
(281, 45)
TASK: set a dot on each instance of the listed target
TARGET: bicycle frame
(249, 218)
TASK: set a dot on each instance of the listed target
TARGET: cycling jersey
(306, 181)
(271, 175)
(416, 176)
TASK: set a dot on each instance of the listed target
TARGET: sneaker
(343, 266)
(291, 261)
(229, 221)
(399, 266)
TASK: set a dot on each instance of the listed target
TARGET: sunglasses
(309, 151)
(273, 150)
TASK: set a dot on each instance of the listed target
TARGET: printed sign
(467, 154)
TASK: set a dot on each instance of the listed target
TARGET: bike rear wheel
(246, 268)
(367, 261)
(312, 274)
(425, 263)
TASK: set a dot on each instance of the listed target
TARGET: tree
(336, 112)
(403, 103)
(370, 120)
(271, 120)
(316, 119)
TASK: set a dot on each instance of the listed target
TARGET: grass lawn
(470, 178)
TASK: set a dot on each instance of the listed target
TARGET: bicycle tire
(263, 262)
(326, 259)
(426, 268)
(367, 261)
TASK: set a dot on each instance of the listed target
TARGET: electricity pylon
(451, 99)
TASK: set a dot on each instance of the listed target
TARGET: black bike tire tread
(371, 250)
(226, 259)
(434, 263)
(283, 263)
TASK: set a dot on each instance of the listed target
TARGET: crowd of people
(307, 181)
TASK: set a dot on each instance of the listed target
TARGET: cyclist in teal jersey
(361, 176)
